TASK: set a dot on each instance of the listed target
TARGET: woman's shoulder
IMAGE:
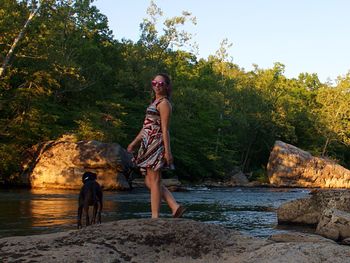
(163, 102)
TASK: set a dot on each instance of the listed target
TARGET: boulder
(238, 179)
(334, 224)
(165, 240)
(309, 210)
(300, 211)
(290, 166)
(329, 210)
(234, 178)
(61, 163)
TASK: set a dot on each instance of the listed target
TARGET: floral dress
(151, 152)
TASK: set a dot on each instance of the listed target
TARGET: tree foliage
(66, 74)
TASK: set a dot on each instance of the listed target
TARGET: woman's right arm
(135, 142)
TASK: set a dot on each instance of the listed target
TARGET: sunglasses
(160, 83)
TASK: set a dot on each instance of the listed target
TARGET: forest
(62, 72)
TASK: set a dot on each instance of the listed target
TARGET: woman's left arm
(165, 113)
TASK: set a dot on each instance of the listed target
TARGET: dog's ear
(89, 176)
(86, 176)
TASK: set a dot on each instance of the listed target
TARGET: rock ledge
(164, 240)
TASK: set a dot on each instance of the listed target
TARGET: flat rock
(163, 240)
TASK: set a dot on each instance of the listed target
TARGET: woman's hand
(168, 157)
(130, 148)
(134, 143)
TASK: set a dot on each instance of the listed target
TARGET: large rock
(329, 210)
(290, 166)
(300, 211)
(334, 224)
(165, 240)
(61, 163)
(310, 209)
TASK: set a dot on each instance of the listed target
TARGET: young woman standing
(154, 153)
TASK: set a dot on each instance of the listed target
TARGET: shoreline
(176, 185)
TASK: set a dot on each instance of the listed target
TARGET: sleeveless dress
(151, 152)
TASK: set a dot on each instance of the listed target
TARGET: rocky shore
(168, 240)
(328, 210)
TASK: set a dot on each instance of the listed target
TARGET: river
(249, 210)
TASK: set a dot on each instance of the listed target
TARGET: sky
(310, 36)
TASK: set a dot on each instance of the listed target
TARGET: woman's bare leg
(154, 185)
(169, 198)
(166, 195)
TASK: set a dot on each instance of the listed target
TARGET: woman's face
(159, 86)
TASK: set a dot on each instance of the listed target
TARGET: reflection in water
(52, 208)
(48, 212)
(251, 210)
(57, 207)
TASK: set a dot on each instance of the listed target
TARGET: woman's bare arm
(135, 142)
(164, 108)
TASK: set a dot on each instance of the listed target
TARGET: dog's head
(89, 176)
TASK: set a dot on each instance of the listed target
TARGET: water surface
(249, 210)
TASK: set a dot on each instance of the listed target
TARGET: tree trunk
(15, 42)
(325, 147)
(247, 153)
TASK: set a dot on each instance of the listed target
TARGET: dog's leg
(94, 202)
(99, 212)
(80, 207)
(94, 213)
(100, 202)
(86, 211)
(80, 212)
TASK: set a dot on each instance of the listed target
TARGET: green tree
(334, 113)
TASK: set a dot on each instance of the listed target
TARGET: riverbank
(168, 240)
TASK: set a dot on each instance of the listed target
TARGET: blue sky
(305, 35)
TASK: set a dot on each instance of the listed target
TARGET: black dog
(90, 195)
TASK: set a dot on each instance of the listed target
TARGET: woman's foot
(179, 211)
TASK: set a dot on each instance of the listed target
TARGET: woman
(154, 152)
